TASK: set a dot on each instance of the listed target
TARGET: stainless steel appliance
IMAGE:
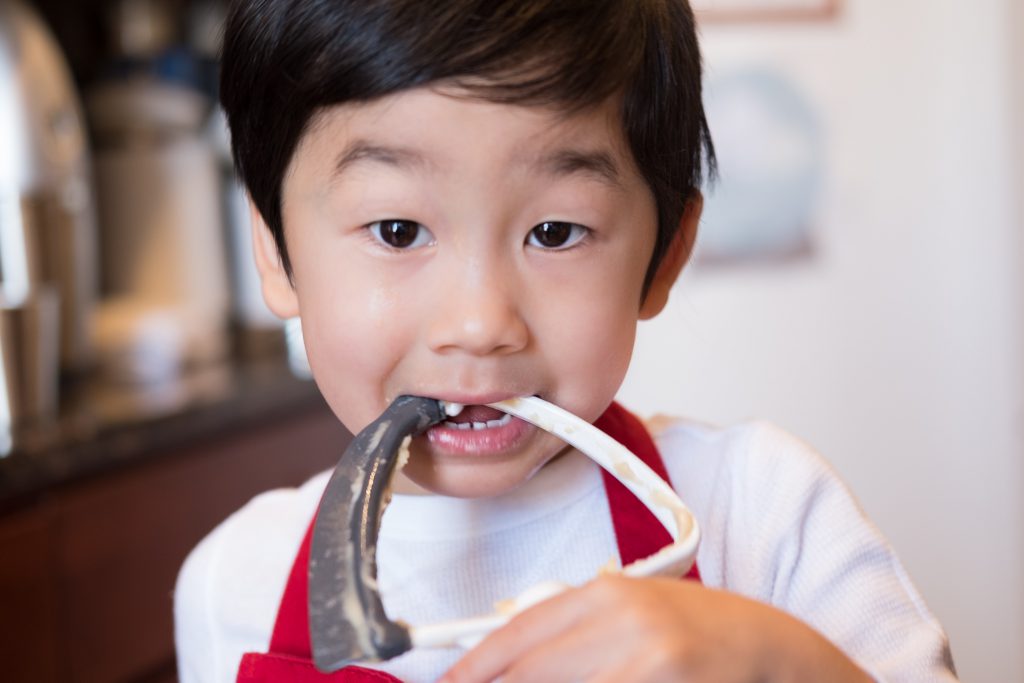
(47, 212)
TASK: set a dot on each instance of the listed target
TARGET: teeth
(500, 422)
(452, 409)
(476, 426)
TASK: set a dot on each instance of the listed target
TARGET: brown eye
(401, 234)
(556, 235)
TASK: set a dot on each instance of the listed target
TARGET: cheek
(602, 350)
(353, 345)
(591, 346)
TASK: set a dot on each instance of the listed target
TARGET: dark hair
(285, 60)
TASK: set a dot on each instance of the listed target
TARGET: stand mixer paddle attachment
(348, 623)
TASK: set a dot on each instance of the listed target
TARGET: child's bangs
(571, 53)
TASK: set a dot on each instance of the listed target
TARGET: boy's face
(468, 251)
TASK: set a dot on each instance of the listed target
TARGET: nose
(479, 314)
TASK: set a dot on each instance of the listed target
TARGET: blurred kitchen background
(863, 286)
(145, 390)
(858, 280)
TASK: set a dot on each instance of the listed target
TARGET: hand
(621, 629)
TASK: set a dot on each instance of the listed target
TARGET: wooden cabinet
(29, 597)
(87, 571)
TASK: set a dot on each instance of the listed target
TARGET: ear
(278, 292)
(676, 256)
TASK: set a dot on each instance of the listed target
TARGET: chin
(470, 481)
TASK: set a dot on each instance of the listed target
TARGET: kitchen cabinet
(88, 565)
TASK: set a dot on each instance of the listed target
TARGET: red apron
(637, 532)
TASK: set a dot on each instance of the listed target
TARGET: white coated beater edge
(672, 560)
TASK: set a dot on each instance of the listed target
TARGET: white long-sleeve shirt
(778, 526)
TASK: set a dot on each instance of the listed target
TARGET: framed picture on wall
(770, 140)
(765, 10)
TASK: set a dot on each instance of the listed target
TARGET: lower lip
(479, 442)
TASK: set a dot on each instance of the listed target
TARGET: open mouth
(477, 429)
(474, 417)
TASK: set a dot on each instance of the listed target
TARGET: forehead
(428, 130)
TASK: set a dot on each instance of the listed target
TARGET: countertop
(103, 427)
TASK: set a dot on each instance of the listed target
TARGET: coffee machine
(48, 263)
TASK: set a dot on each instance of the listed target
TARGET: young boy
(472, 201)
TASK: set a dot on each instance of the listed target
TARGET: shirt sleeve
(196, 639)
(781, 527)
(230, 586)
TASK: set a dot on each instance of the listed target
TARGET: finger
(583, 653)
(634, 672)
(592, 645)
(644, 666)
(598, 653)
(528, 630)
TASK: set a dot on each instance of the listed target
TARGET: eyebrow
(599, 165)
(363, 150)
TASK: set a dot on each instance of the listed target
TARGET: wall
(898, 348)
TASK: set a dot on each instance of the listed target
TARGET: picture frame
(765, 10)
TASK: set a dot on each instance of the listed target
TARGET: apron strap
(637, 532)
(291, 630)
